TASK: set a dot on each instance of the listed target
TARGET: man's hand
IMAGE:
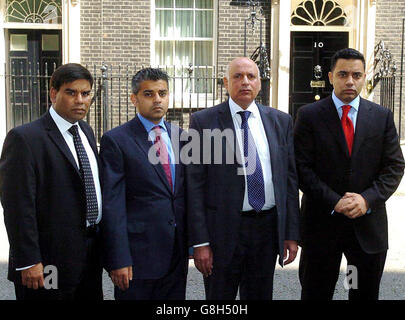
(342, 203)
(33, 277)
(121, 277)
(291, 247)
(203, 260)
(355, 207)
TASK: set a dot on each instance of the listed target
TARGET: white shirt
(259, 136)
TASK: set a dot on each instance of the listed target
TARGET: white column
(283, 52)
(71, 31)
(3, 114)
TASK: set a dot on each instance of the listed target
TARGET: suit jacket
(140, 212)
(44, 201)
(327, 172)
(217, 190)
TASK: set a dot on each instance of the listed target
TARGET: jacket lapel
(175, 141)
(333, 124)
(58, 139)
(363, 125)
(142, 139)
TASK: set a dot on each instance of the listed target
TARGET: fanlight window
(319, 13)
(34, 11)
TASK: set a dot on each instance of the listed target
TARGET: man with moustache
(349, 163)
(242, 216)
(144, 237)
(50, 192)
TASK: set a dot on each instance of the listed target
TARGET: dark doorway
(309, 65)
(33, 56)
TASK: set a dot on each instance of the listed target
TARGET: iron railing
(191, 88)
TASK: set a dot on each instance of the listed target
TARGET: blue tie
(254, 174)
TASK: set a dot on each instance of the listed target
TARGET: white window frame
(184, 95)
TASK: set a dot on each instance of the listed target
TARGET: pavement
(286, 284)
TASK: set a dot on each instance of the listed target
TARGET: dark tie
(162, 153)
(255, 182)
(348, 128)
(87, 177)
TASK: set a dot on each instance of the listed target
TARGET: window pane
(18, 42)
(184, 23)
(203, 53)
(204, 24)
(164, 3)
(164, 52)
(203, 80)
(204, 4)
(50, 42)
(164, 23)
(184, 3)
(183, 52)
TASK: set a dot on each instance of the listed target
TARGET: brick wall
(389, 28)
(231, 24)
(115, 32)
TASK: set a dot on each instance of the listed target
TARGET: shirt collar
(339, 103)
(62, 124)
(149, 124)
(235, 108)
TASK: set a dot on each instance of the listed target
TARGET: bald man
(243, 213)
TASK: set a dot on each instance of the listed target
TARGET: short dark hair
(68, 73)
(146, 74)
(347, 53)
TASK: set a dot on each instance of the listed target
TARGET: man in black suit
(241, 216)
(50, 192)
(144, 238)
(349, 163)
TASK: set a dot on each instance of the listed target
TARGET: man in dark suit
(242, 215)
(144, 239)
(349, 163)
(50, 192)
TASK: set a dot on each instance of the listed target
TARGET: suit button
(171, 222)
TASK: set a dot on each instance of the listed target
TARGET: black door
(310, 57)
(33, 56)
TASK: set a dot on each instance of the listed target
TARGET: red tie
(161, 151)
(348, 129)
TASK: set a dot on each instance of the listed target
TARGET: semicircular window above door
(319, 13)
(34, 11)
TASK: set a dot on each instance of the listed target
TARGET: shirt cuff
(24, 268)
(201, 245)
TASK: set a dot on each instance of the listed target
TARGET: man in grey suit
(242, 215)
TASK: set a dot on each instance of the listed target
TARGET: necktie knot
(74, 130)
(244, 115)
(346, 109)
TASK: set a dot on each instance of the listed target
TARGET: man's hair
(68, 73)
(347, 53)
(146, 74)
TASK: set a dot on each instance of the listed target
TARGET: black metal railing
(191, 88)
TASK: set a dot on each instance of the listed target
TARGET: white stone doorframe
(361, 37)
(70, 49)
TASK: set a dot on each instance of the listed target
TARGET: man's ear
(52, 94)
(330, 75)
(226, 83)
(134, 99)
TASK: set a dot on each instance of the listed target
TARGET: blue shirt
(354, 110)
(165, 136)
